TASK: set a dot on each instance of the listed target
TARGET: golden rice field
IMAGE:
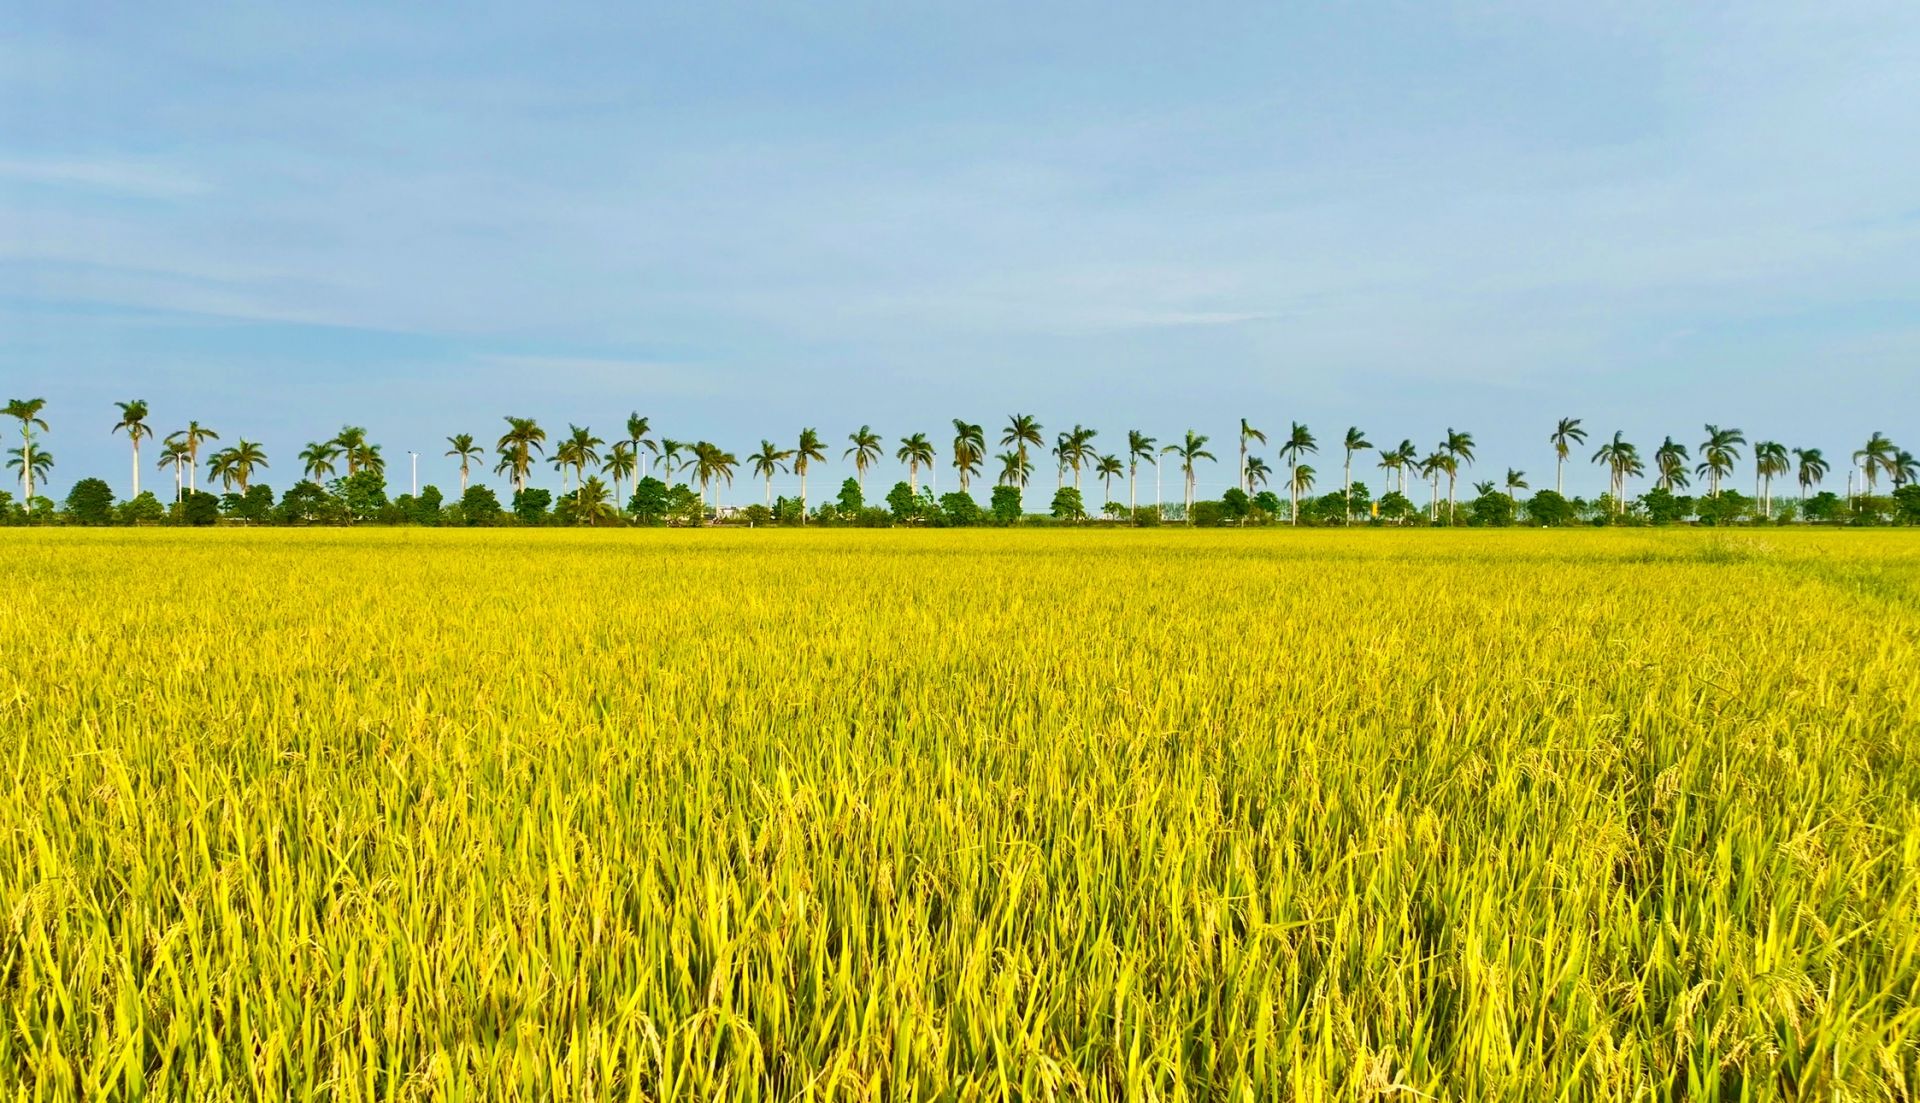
(979, 815)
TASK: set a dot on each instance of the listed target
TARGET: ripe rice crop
(960, 815)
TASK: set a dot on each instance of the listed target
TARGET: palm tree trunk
(1132, 470)
(1346, 487)
(1559, 467)
(803, 494)
(136, 467)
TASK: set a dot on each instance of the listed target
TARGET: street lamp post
(415, 457)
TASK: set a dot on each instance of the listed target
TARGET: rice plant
(984, 815)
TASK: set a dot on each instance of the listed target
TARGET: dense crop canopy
(976, 815)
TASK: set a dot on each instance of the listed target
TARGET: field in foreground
(976, 815)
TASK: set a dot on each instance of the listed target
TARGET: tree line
(642, 477)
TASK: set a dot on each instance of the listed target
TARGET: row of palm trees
(635, 455)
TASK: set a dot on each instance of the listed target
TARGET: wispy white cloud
(120, 177)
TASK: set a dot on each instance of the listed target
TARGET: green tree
(1813, 467)
(1299, 445)
(142, 509)
(90, 502)
(852, 499)
(960, 509)
(1550, 509)
(530, 505)
(1005, 505)
(903, 501)
(810, 450)
(199, 508)
(479, 505)
(364, 493)
(1067, 505)
(651, 501)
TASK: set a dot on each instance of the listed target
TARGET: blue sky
(742, 220)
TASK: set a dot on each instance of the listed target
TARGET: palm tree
(1718, 455)
(710, 466)
(969, 448)
(1875, 457)
(639, 442)
(1813, 468)
(352, 443)
(461, 445)
(1189, 450)
(174, 452)
(564, 456)
(1458, 446)
(670, 457)
(1430, 469)
(1409, 459)
(1670, 459)
(1769, 460)
(1015, 468)
(1300, 444)
(767, 463)
(1247, 433)
(1564, 436)
(32, 464)
(1394, 464)
(1257, 472)
(1060, 460)
(316, 460)
(1022, 430)
(914, 451)
(195, 434)
(1300, 482)
(1139, 446)
(1077, 449)
(236, 464)
(1516, 480)
(865, 450)
(1483, 488)
(1614, 454)
(1356, 442)
(133, 422)
(591, 505)
(27, 411)
(621, 463)
(811, 449)
(1905, 468)
(523, 438)
(584, 447)
(1108, 468)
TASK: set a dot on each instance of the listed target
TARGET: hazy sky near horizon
(740, 220)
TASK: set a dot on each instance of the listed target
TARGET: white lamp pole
(415, 457)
